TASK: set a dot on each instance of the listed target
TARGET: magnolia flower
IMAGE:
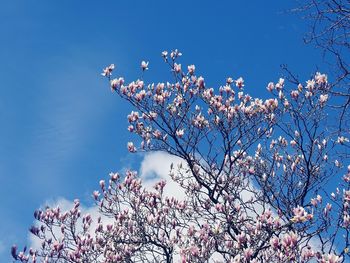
(286, 103)
(308, 94)
(96, 194)
(337, 163)
(102, 184)
(271, 104)
(300, 215)
(131, 128)
(133, 116)
(164, 53)
(229, 80)
(330, 258)
(180, 133)
(274, 242)
(177, 68)
(131, 147)
(144, 65)
(200, 122)
(347, 195)
(114, 176)
(307, 253)
(294, 94)
(314, 201)
(270, 86)
(240, 83)
(342, 140)
(174, 54)
(310, 84)
(327, 209)
(200, 82)
(323, 99)
(157, 134)
(300, 87)
(320, 78)
(116, 83)
(191, 69)
(107, 72)
(248, 252)
(290, 240)
(280, 84)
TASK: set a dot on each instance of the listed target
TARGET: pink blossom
(164, 54)
(107, 72)
(280, 84)
(342, 140)
(177, 68)
(300, 87)
(240, 82)
(144, 65)
(229, 81)
(102, 184)
(270, 86)
(330, 258)
(327, 209)
(323, 99)
(310, 84)
(133, 116)
(248, 252)
(174, 54)
(294, 94)
(289, 240)
(320, 78)
(131, 147)
(191, 69)
(180, 133)
(200, 82)
(300, 215)
(96, 194)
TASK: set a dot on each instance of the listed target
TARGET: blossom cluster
(255, 173)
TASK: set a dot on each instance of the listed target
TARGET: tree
(258, 176)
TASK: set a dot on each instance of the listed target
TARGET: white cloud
(155, 167)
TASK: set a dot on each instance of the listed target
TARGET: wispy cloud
(155, 167)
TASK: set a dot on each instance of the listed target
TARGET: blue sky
(62, 130)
